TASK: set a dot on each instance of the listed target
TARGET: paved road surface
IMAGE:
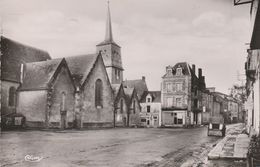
(108, 147)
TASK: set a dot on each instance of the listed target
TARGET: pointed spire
(109, 35)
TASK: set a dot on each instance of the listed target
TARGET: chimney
(143, 78)
(200, 72)
(194, 68)
(203, 81)
(21, 73)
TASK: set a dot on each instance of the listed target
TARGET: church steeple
(109, 34)
(111, 53)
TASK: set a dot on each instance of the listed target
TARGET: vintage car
(216, 127)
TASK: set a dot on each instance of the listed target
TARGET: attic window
(148, 99)
(179, 71)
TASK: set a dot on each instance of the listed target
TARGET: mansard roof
(156, 96)
(39, 75)
(139, 85)
(14, 54)
(185, 68)
(80, 66)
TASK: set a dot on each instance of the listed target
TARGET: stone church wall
(62, 84)
(5, 108)
(91, 115)
(32, 104)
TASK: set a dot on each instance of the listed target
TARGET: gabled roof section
(80, 66)
(14, 54)
(129, 93)
(115, 88)
(139, 85)
(37, 75)
(156, 96)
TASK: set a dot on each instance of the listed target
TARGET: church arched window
(12, 96)
(134, 107)
(99, 93)
(121, 106)
(63, 101)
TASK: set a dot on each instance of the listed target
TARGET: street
(107, 147)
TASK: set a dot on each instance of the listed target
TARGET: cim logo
(31, 158)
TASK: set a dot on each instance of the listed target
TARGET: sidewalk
(233, 147)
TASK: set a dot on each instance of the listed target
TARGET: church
(84, 91)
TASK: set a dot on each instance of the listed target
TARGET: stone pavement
(233, 147)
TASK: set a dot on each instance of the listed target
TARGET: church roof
(80, 66)
(115, 88)
(128, 92)
(156, 96)
(139, 85)
(14, 54)
(37, 75)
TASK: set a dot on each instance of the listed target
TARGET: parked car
(216, 127)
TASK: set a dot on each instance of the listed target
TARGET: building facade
(151, 109)
(181, 95)
(121, 106)
(46, 97)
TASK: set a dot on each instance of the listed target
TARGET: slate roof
(156, 96)
(37, 75)
(139, 85)
(80, 66)
(185, 68)
(128, 92)
(14, 54)
(115, 88)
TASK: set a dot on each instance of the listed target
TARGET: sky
(212, 34)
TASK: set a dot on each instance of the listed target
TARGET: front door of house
(155, 122)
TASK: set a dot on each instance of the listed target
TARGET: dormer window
(169, 70)
(148, 99)
(179, 71)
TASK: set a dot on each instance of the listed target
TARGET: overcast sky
(152, 33)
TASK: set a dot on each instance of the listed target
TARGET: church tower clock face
(111, 54)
